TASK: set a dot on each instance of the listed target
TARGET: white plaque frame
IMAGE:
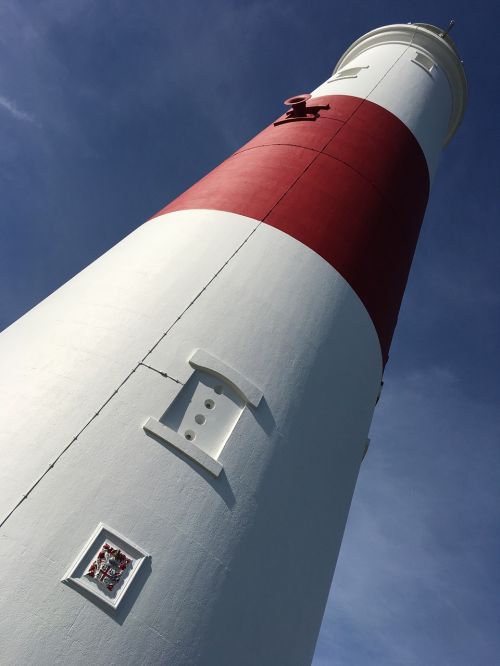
(76, 574)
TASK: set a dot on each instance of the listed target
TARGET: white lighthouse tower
(184, 421)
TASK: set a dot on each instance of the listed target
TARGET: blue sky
(110, 109)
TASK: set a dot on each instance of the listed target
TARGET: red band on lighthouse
(351, 185)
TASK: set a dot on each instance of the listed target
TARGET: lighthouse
(183, 422)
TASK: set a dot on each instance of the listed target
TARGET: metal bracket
(300, 110)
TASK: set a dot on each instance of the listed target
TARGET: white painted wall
(230, 556)
(430, 104)
(64, 358)
(376, 63)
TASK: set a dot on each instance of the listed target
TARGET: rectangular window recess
(424, 62)
(188, 447)
(350, 73)
(205, 411)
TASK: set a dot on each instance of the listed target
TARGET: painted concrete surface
(375, 64)
(358, 200)
(229, 556)
(63, 359)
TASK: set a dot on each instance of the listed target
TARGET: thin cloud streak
(14, 111)
(425, 594)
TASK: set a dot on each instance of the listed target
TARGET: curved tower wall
(206, 387)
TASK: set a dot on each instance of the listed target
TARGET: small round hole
(189, 434)
(209, 404)
(200, 419)
(218, 389)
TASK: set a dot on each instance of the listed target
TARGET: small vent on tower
(203, 415)
(350, 73)
(424, 61)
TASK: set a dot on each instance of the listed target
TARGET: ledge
(202, 360)
(190, 449)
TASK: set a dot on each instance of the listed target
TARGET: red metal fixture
(300, 110)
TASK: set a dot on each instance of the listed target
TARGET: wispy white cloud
(15, 111)
(411, 584)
